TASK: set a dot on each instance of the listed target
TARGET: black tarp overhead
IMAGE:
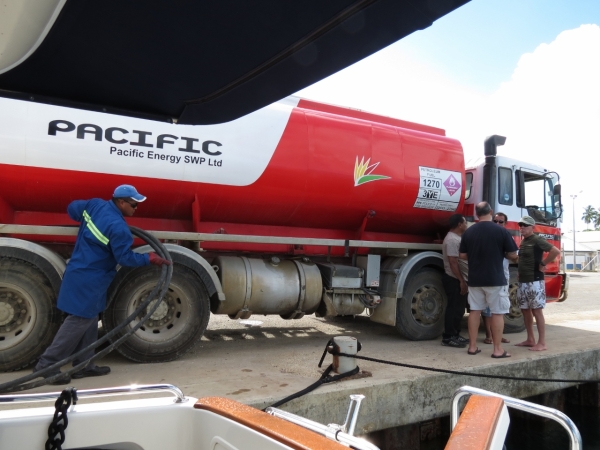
(204, 62)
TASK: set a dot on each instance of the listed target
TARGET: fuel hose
(25, 382)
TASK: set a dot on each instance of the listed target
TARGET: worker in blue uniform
(104, 240)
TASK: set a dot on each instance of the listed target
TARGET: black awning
(203, 62)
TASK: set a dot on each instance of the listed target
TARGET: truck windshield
(541, 202)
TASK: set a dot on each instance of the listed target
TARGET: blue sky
(481, 42)
(525, 69)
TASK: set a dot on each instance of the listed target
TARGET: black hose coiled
(23, 383)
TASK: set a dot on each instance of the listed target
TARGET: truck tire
(513, 321)
(178, 323)
(420, 312)
(28, 317)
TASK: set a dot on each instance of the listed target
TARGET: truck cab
(518, 189)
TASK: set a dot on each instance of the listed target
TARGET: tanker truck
(298, 208)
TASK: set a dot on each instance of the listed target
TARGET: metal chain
(60, 421)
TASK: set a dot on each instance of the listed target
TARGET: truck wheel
(177, 324)
(420, 312)
(28, 318)
(513, 321)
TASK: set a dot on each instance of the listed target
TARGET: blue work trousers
(75, 334)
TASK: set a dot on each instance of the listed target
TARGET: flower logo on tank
(363, 172)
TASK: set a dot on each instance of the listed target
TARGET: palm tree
(590, 215)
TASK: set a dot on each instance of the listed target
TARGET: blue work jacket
(104, 240)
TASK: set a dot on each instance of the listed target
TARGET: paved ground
(582, 309)
(261, 364)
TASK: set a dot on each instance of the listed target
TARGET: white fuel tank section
(290, 288)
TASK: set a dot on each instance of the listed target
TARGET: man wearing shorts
(501, 219)
(531, 293)
(485, 245)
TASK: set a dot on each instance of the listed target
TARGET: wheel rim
(168, 320)
(427, 305)
(17, 315)
(514, 313)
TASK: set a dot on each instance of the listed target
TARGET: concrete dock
(261, 364)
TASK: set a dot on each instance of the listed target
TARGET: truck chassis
(409, 295)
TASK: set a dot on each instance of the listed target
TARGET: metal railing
(104, 392)
(522, 405)
(324, 430)
(339, 433)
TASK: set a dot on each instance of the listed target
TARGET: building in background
(587, 248)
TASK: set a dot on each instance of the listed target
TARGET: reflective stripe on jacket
(103, 241)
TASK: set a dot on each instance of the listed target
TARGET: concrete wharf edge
(261, 364)
(394, 403)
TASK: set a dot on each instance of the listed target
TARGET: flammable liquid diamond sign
(438, 189)
(452, 184)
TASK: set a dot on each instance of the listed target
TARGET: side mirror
(558, 201)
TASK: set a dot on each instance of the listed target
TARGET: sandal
(489, 341)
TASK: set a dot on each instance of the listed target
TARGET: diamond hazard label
(452, 184)
(438, 189)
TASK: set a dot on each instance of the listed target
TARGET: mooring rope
(469, 374)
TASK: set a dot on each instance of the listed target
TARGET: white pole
(574, 252)
(574, 196)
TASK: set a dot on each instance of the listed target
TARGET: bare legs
(528, 315)
(528, 318)
(473, 322)
(487, 321)
(541, 326)
(497, 330)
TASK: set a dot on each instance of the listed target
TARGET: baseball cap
(527, 220)
(128, 191)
